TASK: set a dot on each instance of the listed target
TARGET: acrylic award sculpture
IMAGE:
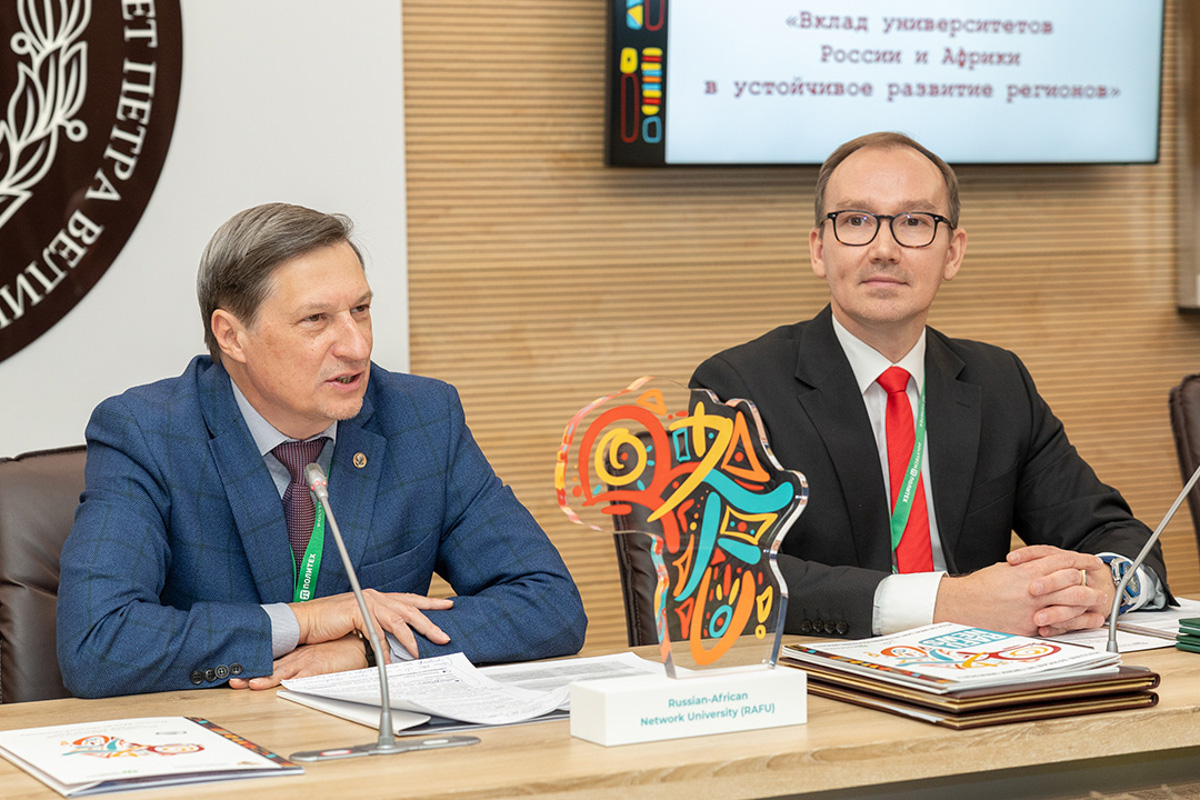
(697, 477)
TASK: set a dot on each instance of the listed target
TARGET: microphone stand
(386, 744)
(1137, 562)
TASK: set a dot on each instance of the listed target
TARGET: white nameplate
(647, 708)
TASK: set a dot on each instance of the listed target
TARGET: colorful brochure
(946, 657)
(117, 755)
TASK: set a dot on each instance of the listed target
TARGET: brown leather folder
(1128, 687)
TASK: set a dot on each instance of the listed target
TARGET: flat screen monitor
(981, 82)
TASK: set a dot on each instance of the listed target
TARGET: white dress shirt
(907, 600)
(901, 600)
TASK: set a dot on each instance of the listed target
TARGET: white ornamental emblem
(51, 86)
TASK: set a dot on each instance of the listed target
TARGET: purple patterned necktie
(297, 500)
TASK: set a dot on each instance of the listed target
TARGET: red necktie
(914, 553)
(297, 500)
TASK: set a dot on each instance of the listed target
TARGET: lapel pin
(360, 460)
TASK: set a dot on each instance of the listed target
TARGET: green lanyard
(909, 488)
(305, 578)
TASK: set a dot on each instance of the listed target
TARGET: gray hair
(241, 256)
(886, 140)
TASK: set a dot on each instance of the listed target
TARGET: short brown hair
(886, 140)
(237, 264)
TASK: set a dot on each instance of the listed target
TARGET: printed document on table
(1164, 622)
(539, 676)
(1097, 639)
(444, 686)
(1138, 630)
(561, 673)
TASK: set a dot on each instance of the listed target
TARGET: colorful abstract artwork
(697, 476)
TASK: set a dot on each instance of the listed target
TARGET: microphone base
(384, 749)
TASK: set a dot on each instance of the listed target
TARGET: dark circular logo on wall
(88, 94)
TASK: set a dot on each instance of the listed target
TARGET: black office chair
(38, 495)
(638, 578)
(1184, 401)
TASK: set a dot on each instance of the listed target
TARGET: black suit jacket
(999, 462)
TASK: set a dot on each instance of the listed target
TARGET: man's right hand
(324, 619)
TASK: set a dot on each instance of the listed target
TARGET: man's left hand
(311, 659)
(1076, 588)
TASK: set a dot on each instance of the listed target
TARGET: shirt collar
(868, 363)
(266, 436)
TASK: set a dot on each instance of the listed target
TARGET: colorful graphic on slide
(637, 83)
(697, 476)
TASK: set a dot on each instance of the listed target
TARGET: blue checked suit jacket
(180, 536)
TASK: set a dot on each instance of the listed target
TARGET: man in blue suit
(184, 569)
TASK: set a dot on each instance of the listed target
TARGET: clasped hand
(1038, 590)
(328, 642)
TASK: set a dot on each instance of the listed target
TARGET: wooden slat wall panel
(540, 279)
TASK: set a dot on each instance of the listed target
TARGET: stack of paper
(962, 677)
(448, 693)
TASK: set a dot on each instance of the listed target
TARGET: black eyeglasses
(859, 228)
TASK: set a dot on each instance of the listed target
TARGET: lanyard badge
(305, 578)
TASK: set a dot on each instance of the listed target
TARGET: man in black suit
(992, 457)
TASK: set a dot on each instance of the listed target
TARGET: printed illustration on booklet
(91, 90)
(696, 477)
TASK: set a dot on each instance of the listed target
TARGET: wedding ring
(1083, 577)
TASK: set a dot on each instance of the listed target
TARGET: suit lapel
(844, 427)
(247, 485)
(954, 413)
(353, 488)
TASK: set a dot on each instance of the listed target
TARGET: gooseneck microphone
(387, 743)
(1137, 562)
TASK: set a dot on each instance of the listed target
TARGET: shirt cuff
(1156, 595)
(905, 601)
(285, 628)
(1144, 592)
(397, 650)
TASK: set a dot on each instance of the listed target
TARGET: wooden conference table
(843, 751)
